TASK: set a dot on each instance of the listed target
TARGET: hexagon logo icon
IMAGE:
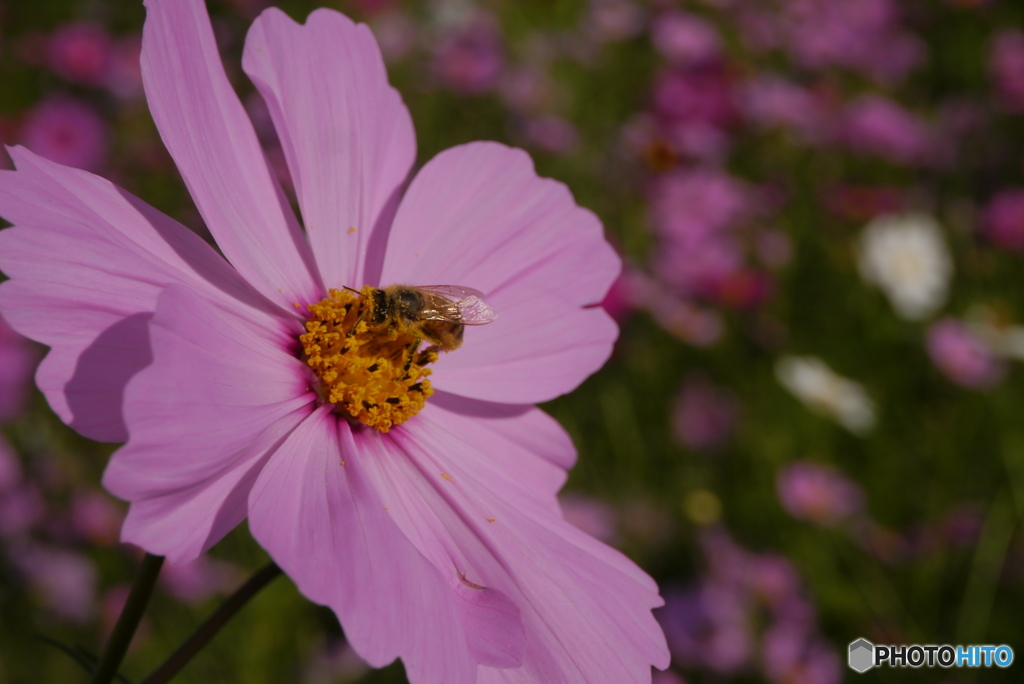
(862, 655)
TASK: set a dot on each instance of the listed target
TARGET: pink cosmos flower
(963, 355)
(818, 493)
(65, 581)
(80, 52)
(469, 59)
(66, 131)
(685, 38)
(439, 541)
(1006, 66)
(874, 124)
(704, 415)
(1002, 219)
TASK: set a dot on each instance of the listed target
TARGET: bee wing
(467, 305)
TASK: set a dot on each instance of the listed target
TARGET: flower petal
(527, 445)
(220, 394)
(184, 520)
(478, 216)
(533, 352)
(209, 135)
(585, 607)
(86, 261)
(346, 134)
(319, 519)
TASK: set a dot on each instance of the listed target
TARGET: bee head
(381, 306)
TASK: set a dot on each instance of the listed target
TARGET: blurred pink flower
(65, 581)
(708, 627)
(699, 255)
(1002, 219)
(699, 266)
(199, 579)
(704, 415)
(470, 57)
(858, 35)
(698, 94)
(684, 38)
(876, 125)
(792, 654)
(747, 607)
(21, 509)
(772, 101)
(1006, 67)
(687, 206)
(963, 356)
(552, 134)
(67, 132)
(438, 539)
(773, 579)
(817, 493)
(80, 52)
(95, 517)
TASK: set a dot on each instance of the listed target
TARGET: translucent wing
(457, 305)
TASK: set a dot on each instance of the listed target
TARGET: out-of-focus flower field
(811, 427)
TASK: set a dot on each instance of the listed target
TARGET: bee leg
(412, 354)
(425, 355)
(352, 330)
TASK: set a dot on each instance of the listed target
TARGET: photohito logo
(864, 655)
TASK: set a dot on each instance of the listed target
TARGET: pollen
(373, 373)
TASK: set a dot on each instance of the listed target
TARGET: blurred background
(811, 428)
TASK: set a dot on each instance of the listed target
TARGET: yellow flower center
(371, 370)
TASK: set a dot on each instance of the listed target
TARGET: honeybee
(438, 313)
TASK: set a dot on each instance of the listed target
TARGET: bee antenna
(352, 289)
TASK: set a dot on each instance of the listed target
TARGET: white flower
(823, 391)
(906, 256)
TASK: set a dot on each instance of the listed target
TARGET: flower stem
(128, 622)
(208, 629)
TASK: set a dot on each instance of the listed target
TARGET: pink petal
(347, 136)
(534, 351)
(206, 130)
(221, 394)
(317, 516)
(478, 216)
(585, 607)
(527, 445)
(86, 261)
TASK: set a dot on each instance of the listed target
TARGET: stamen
(373, 373)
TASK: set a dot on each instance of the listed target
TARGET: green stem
(208, 629)
(128, 622)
